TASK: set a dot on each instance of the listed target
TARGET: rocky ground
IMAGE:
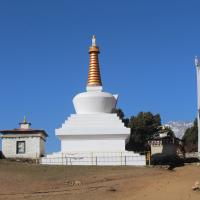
(35, 182)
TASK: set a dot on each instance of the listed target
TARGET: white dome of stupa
(94, 102)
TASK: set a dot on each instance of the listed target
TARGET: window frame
(17, 147)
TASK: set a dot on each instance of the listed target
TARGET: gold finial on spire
(25, 124)
(25, 121)
(94, 76)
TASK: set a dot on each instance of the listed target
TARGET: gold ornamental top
(94, 76)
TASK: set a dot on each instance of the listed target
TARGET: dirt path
(35, 182)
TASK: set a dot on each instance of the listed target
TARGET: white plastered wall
(68, 145)
(34, 146)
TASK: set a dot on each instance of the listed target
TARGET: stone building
(164, 145)
(23, 142)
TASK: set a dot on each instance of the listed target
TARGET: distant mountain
(179, 127)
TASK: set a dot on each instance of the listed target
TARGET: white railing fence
(95, 160)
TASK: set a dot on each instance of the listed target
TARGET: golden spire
(94, 76)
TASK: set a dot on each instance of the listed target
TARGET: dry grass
(35, 182)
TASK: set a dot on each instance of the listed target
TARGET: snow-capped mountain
(179, 127)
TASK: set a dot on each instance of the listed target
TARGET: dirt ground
(35, 182)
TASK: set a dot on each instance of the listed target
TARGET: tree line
(190, 138)
(145, 124)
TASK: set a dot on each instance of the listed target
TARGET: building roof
(23, 131)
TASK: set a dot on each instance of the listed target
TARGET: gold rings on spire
(94, 76)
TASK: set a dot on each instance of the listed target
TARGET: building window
(21, 147)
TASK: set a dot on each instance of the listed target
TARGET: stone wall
(34, 147)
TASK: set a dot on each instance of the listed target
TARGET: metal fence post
(70, 159)
(148, 157)
(92, 159)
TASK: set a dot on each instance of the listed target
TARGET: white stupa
(94, 135)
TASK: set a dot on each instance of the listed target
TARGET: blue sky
(147, 57)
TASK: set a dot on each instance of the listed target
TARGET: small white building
(23, 142)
